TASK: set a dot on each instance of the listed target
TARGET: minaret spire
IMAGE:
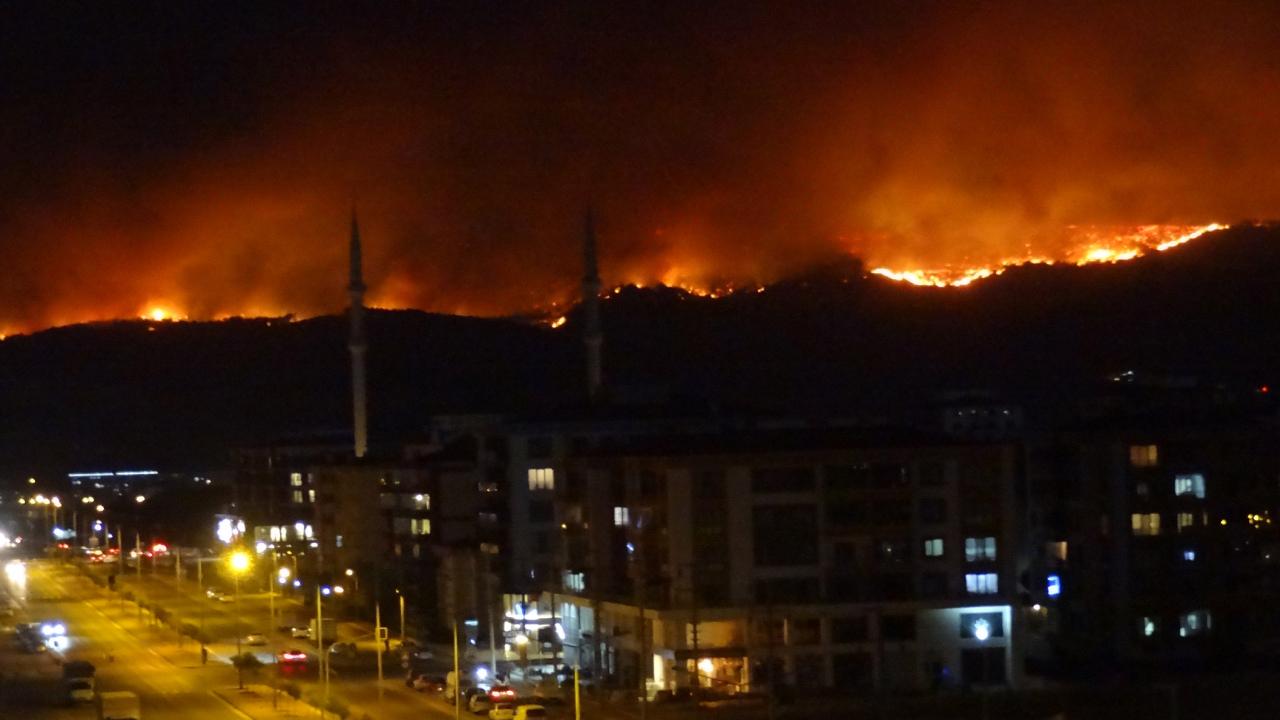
(593, 337)
(357, 344)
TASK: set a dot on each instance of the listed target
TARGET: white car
(503, 711)
(255, 639)
(527, 712)
(302, 633)
(80, 690)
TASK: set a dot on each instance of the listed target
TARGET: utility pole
(401, 596)
(488, 600)
(457, 676)
(641, 582)
(137, 548)
(379, 633)
(324, 664)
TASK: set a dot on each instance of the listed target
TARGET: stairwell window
(1144, 455)
(1186, 520)
(933, 547)
(1146, 523)
(420, 526)
(542, 479)
(981, 583)
(1191, 485)
(979, 549)
(621, 516)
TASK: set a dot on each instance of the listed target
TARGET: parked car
(345, 649)
(213, 593)
(411, 649)
(255, 639)
(80, 690)
(480, 704)
(300, 632)
(425, 683)
(502, 693)
(530, 712)
(503, 711)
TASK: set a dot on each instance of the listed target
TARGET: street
(133, 652)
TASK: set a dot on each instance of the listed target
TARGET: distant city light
(140, 498)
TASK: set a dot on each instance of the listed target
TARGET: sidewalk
(257, 702)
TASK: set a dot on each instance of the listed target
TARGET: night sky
(204, 157)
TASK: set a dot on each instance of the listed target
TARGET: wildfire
(1086, 245)
(161, 313)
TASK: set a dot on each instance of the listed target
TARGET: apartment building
(810, 557)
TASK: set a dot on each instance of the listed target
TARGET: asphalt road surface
(31, 688)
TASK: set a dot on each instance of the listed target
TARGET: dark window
(541, 511)
(782, 480)
(782, 591)
(844, 555)
(539, 447)
(898, 627)
(709, 485)
(851, 671)
(933, 585)
(805, 631)
(887, 475)
(845, 588)
(931, 474)
(893, 586)
(848, 630)
(810, 672)
(892, 512)
(846, 513)
(842, 478)
(893, 551)
(933, 511)
(652, 484)
(785, 535)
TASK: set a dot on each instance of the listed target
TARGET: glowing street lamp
(140, 499)
(239, 562)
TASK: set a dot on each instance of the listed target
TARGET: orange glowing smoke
(1089, 245)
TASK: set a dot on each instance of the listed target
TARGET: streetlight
(981, 633)
(239, 562)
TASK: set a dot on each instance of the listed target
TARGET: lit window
(298, 497)
(421, 501)
(337, 540)
(933, 547)
(420, 526)
(311, 496)
(1057, 550)
(1146, 523)
(1144, 455)
(1189, 485)
(1053, 585)
(978, 549)
(575, 581)
(1189, 555)
(621, 516)
(1186, 520)
(542, 479)
(981, 583)
(417, 550)
(1148, 626)
(295, 479)
(1196, 622)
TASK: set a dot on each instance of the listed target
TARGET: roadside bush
(248, 662)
